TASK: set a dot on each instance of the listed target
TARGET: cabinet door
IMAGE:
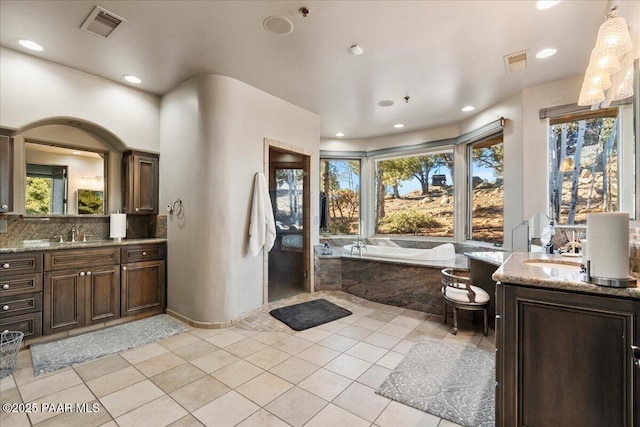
(102, 294)
(140, 186)
(6, 171)
(142, 287)
(566, 359)
(63, 300)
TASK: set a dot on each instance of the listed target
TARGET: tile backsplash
(20, 227)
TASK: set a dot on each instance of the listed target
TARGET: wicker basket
(9, 347)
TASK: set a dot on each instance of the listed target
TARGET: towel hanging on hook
(262, 231)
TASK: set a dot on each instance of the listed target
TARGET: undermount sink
(552, 263)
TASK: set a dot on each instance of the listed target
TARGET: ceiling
(442, 54)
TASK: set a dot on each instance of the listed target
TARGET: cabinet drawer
(21, 263)
(20, 304)
(29, 324)
(81, 258)
(135, 253)
(15, 285)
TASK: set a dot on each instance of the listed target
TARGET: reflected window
(46, 191)
(289, 203)
(339, 196)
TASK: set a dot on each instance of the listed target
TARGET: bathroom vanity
(564, 347)
(58, 287)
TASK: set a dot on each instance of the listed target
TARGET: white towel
(262, 231)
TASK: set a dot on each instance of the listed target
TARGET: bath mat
(309, 314)
(59, 354)
(450, 381)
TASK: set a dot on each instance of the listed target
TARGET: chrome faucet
(73, 234)
(358, 245)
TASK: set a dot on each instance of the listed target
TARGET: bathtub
(439, 253)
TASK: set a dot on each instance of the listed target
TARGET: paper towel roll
(118, 227)
(608, 237)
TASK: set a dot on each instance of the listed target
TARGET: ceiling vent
(102, 23)
(515, 62)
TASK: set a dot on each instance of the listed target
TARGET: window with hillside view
(486, 190)
(583, 165)
(340, 196)
(415, 195)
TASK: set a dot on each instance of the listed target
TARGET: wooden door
(63, 300)
(102, 294)
(146, 184)
(142, 287)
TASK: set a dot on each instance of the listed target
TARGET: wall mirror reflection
(55, 174)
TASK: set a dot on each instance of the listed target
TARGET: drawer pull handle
(137, 209)
(88, 273)
(636, 355)
(6, 265)
(144, 253)
(124, 268)
(5, 286)
(5, 207)
(81, 273)
(5, 307)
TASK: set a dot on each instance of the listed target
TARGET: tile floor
(258, 373)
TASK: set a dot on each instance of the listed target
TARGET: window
(46, 189)
(583, 165)
(486, 190)
(415, 195)
(339, 196)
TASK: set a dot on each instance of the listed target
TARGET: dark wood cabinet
(6, 171)
(142, 287)
(140, 172)
(21, 293)
(102, 294)
(63, 301)
(565, 359)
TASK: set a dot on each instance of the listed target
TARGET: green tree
(38, 195)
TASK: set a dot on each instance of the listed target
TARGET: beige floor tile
(318, 355)
(406, 321)
(115, 381)
(7, 383)
(393, 309)
(92, 416)
(14, 419)
(98, 368)
(76, 395)
(134, 396)
(268, 358)
(390, 360)
(486, 344)
(214, 361)
(49, 385)
(245, 347)
(195, 350)
(325, 384)
(26, 375)
(187, 421)
(447, 423)
(313, 334)
(395, 330)
(350, 319)
(245, 332)
(333, 415)
(374, 376)
(368, 352)
(173, 379)
(292, 345)
(348, 366)
(24, 359)
(145, 352)
(296, 406)
(270, 338)
(355, 332)
(199, 393)
(333, 327)
(294, 369)
(177, 341)
(263, 418)
(396, 414)
(206, 333)
(369, 323)
(237, 373)
(159, 412)
(157, 365)
(382, 316)
(11, 395)
(228, 410)
(382, 340)
(464, 338)
(403, 346)
(264, 388)
(110, 424)
(362, 401)
(338, 342)
(225, 338)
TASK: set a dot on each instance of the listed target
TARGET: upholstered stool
(460, 294)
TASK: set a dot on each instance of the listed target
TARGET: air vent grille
(102, 23)
(515, 62)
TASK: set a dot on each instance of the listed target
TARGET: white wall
(34, 89)
(212, 143)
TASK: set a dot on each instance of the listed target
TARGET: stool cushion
(461, 295)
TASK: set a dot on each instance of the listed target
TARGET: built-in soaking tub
(444, 252)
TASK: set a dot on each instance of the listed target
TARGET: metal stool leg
(455, 320)
(445, 313)
(486, 323)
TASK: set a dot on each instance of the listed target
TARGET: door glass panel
(289, 200)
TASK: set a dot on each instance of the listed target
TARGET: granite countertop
(43, 245)
(496, 258)
(517, 272)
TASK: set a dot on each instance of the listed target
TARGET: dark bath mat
(309, 314)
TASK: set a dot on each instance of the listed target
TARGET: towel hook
(177, 208)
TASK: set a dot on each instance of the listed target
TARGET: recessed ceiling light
(30, 45)
(356, 50)
(132, 79)
(398, 125)
(339, 134)
(468, 108)
(385, 103)
(278, 25)
(545, 53)
(546, 4)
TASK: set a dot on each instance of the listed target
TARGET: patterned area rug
(56, 355)
(450, 381)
